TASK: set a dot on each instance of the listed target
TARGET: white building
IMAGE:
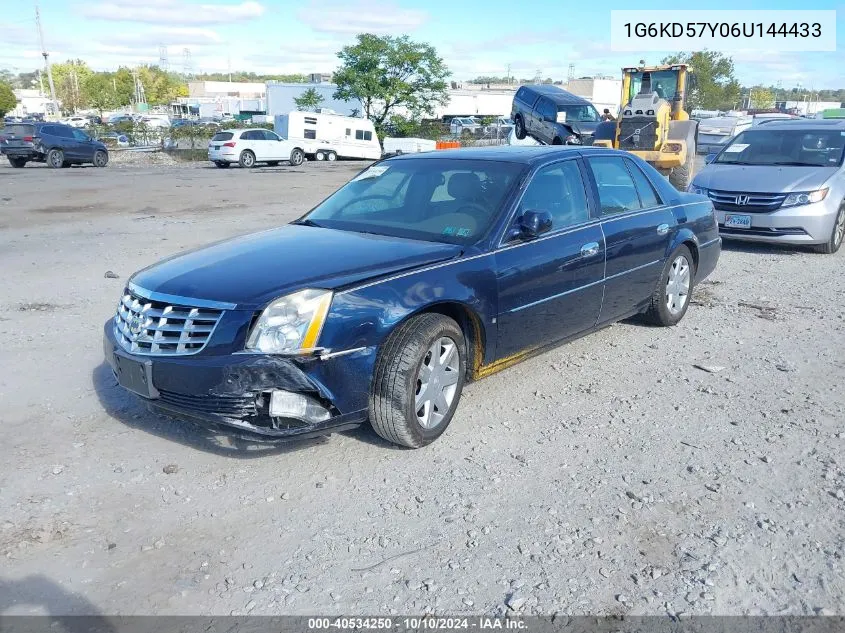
(238, 89)
(601, 92)
(807, 107)
(31, 102)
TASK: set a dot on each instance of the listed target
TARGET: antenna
(46, 56)
(163, 61)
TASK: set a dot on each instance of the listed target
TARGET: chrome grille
(753, 202)
(144, 326)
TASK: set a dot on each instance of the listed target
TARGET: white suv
(252, 146)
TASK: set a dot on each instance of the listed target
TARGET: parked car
(56, 144)
(422, 272)
(713, 133)
(501, 125)
(553, 116)
(782, 182)
(252, 146)
(459, 125)
(78, 121)
(114, 138)
(767, 117)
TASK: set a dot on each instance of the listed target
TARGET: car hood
(582, 128)
(251, 270)
(763, 179)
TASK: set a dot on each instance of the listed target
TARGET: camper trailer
(328, 136)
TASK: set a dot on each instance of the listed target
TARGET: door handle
(588, 250)
(663, 229)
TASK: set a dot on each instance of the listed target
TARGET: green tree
(8, 100)
(715, 87)
(762, 98)
(386, 73)
(309, 100)
(101, 92)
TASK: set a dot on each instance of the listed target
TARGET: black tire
(222, 164)
(519, 127)
(247, 159)
(658, 312)
(56, 158)
(331, 156)
(681, 176)
(16, 162)
(297, 157)
(836, 235)
(101, 158)
(392, 397)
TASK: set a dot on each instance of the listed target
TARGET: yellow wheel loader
(652, 122)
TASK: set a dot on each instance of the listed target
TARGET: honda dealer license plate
(135, 376)
(738, 221)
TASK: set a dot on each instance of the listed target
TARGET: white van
(329, 136)
(394, 146)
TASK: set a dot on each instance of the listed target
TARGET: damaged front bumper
(234, 391)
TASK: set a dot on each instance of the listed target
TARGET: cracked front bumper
(232, 390)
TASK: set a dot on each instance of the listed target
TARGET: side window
(248, 136)
(648, 195)
(270, 136)
(368, 136)
(348, 132)
(310, 134)
(547, 109)
(359, 135)
(617, 192)
(558, 189)
(79, 135)
(63, 132)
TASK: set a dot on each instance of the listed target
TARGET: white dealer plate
(738, 221)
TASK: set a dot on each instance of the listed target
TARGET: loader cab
(670, 83)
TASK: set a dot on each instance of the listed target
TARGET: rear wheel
(319, 156)
(55, 158)
(331, 156)
(418, 380)
(519, 127)
(296, 157)
(247, 159)
(681, 176)
(837, 235)
(101, 159)
(672, 296)
(17, 162)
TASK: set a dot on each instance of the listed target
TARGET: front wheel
(319, 156)
(418, 380)
(56, 158)
(837, 234)
(672, 296)
(681, 176)
(101, 159)
(17, 163)
(296, 157)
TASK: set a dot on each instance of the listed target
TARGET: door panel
(551, 288)
(636, 232)
(274, 146)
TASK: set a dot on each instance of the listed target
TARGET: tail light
(27, 139)
(229, 144)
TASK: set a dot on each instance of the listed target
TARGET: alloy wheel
(436, 382)
(839, 229)
(678, 285)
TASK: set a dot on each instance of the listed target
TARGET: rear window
(19, 129)
(222, 136)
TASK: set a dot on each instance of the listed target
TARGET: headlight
(696, 189)
(291, 324)
(572, 139)
(808, 197)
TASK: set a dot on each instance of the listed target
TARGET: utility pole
(509, 74)
(46, 56)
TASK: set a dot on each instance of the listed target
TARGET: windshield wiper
(307, 222)
(796, 164)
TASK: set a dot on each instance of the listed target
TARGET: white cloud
(364, 16)
(168, 36)
(173, 12)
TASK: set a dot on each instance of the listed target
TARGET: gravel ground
(695, 470)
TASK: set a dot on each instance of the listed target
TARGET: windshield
(800, 148)
(585, 113)
(434, 199)
(663, 82)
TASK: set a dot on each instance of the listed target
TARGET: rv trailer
(329, 136)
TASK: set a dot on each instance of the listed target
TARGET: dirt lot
(610, 475)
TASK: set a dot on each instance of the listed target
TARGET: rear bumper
(220, 156)
(808, 224)
(20, 152)
(231, 391)
(708, 258)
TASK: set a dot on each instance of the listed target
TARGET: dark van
(553, 116)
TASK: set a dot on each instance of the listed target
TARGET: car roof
(556, 94)
(526, 155)
(805, 124)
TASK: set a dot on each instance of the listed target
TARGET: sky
(474, 37)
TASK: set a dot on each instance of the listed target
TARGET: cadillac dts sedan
(422, 273)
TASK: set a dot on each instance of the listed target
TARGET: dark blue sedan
(423, 272)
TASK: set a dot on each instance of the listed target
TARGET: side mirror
(709, 158)
(534, 223)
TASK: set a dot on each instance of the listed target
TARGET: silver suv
(783, 182)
